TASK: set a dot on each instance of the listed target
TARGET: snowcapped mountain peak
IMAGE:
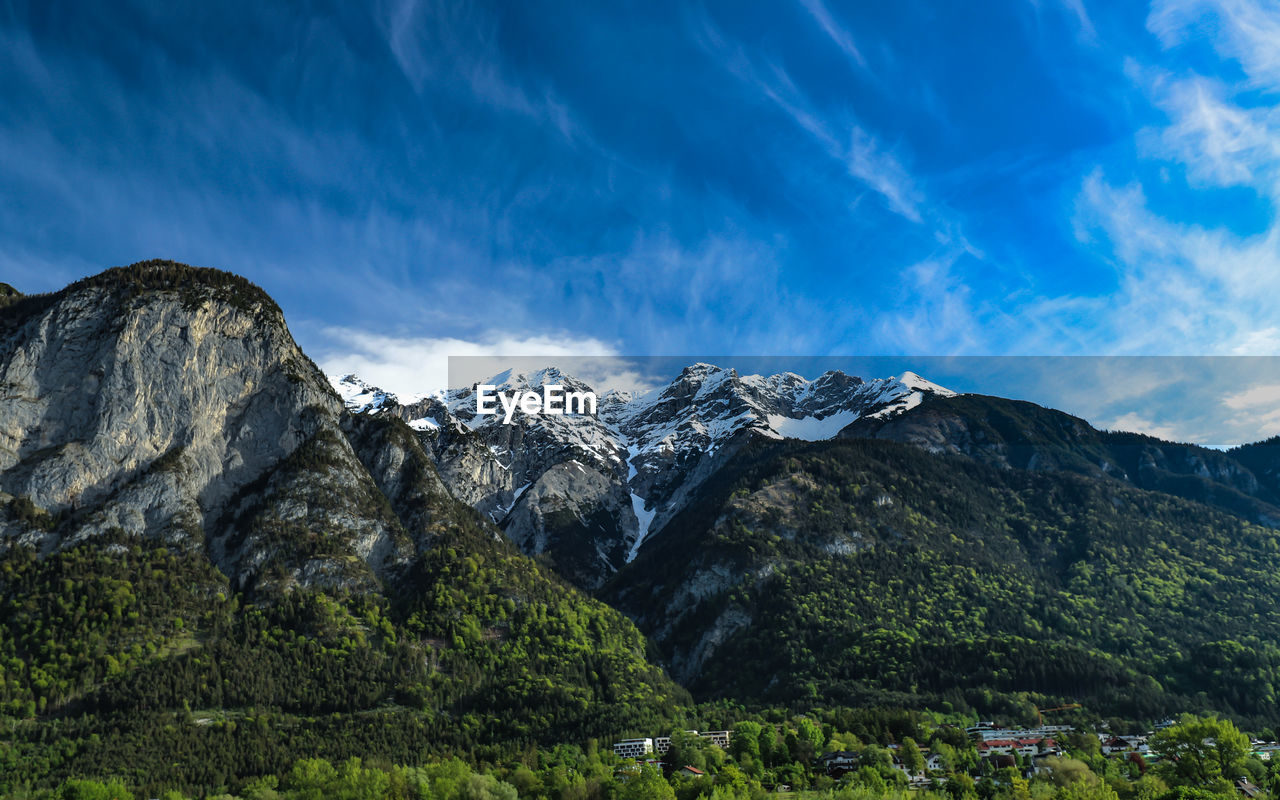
(360, 397)
(639, 458)
(505, 378)
(509, 380)
(918, 384)
(616, 397)
(699, 377)
(702, 368)
(904, 393)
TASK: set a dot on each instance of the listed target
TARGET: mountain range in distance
(634, 466)
(193, 516)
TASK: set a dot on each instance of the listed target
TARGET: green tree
(1203, 752)
(1149, 787)
(746, 740)
(487, 787)
(960, 787)
(687, 749)
(93, 790)
(870, 779)
(1086, 790)
(733, 783)
(648, 785)
(911, 756)
(1084, 743)
(811, 740)
(877, 757)
(527, 783)
(261, 788)
(1013, 785)
(1066, 771)
(770, 747)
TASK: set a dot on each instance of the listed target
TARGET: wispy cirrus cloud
(1135, 422)
(883, 172)
(433, 170)
(1218, 127)
(840, 135)
(837, 33)
(1076, 9)
(1185, 285)
(440, 44)
(1220, 142)
(1243, 30)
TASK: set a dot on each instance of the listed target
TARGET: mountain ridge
(600, 485)
(675, 436)
(869, 572)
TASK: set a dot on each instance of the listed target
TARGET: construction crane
(1040, 712)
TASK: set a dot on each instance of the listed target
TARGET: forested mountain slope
(862, 571)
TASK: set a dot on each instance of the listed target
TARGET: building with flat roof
(635, 748)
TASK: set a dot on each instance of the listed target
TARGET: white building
(635, 748)
(661, 744)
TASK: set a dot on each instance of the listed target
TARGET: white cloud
(1261, 340)
(433, 42)
(1086, 32)
(1243, 30)
(1136, 423)
(842, 38)
(1253, 397)
(883, 172)
(1222, 144)
(940, 315)
(1261, 423)
(411, 366)
(1182, 289)
(1076, 7)
(865, 157)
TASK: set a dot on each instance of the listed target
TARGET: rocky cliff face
(8, 295)
(172, 402)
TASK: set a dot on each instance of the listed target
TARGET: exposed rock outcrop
(172, 402)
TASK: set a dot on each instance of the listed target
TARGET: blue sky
(412, 179)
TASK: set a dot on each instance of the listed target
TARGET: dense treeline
(1198, 759)
(195, 285)
(120, 657)
(70, 622)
